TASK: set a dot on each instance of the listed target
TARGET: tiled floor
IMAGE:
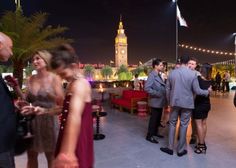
(125, 145)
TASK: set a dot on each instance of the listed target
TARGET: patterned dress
(84, 148)
(44, 127)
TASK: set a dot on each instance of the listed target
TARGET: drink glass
(28, 119)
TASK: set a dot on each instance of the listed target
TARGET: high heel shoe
(195, 147)
(200, 148)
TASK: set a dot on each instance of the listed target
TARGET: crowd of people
(186, 91)
(222, 82)
(65, 144)
(43, 89)
(62, 125)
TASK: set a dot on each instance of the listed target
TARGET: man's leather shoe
(151, 139)
(167, 150)
(182, 153)
(160, 136)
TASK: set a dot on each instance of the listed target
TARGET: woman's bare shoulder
(82, 88)
(81, 84)
(55, 77)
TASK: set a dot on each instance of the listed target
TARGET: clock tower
(121, 55)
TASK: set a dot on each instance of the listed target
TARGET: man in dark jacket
(7, 113)
(218, 81)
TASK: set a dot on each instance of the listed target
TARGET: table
(98, 114)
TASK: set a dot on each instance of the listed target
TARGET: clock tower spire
(121, 55)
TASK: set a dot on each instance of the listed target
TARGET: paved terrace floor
(125, 145)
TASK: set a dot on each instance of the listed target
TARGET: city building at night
(121, 46)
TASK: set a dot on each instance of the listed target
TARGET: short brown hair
(193, 59)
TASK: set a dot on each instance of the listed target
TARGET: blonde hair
(46, 56)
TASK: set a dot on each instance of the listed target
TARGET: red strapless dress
(84, 149)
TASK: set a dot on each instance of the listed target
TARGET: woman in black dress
(202, 107)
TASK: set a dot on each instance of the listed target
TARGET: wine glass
(28, 119)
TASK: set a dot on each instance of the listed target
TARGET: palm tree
(123, 73)
(147, 69)
(137, 70)
(122, 68)
(29, 34)
(88, 72)
(106, 71)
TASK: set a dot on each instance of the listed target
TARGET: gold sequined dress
(44, 127)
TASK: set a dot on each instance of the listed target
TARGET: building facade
(121, 47)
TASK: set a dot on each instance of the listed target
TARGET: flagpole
(177, 33)
(176, 30)
(182, 22)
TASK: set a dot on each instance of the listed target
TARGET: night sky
(149, 26)
(211, 25)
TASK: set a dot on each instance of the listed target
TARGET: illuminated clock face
(122, 51)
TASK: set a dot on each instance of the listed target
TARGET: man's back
(181, 85)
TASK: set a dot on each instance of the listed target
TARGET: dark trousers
(218, 86)
(7, 160)
(154, 121)
(227, 86)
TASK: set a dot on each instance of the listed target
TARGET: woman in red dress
(75, 141)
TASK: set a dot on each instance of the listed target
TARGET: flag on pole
(182, 22)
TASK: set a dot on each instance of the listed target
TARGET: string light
(228, 62)
(206, 50)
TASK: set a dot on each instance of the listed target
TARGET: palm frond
(32, 28)
(29, 34)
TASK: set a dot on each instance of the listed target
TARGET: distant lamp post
(234, 34)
